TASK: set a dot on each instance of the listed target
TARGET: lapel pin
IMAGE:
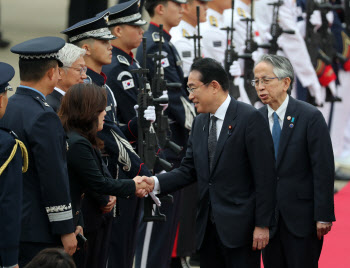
(292, 119)
(229, 130)
(291, 125)
(288, 117)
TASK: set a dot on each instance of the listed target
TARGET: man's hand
(70, 243)
(260, 238)
(323, 229)
(108, 208)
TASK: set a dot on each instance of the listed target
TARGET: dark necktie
(212, 141)
(276, 133)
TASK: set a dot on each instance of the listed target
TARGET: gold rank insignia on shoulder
(213, 21)
(184, 33)
(241, 12)
(156, 38)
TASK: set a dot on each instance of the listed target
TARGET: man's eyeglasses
(192, 90)
(80, 69)
(262, 81)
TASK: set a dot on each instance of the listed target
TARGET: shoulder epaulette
(213, 21)
(156, 38)
(123, 60)
(241, 12)
(42, 102)
(184, 33)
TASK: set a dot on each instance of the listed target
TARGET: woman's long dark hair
(80, 108)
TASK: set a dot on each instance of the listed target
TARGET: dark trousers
(214, 254)
(98, 245)
(28, 250)
(285, 250)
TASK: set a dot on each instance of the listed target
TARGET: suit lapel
(265, 113)
(226, 130)
(287, 130)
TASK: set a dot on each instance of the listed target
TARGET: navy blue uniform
(181, 113)
(121, 159)
(47, 212)
(124, 85)
(10, 198)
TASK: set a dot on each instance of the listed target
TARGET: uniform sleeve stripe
(60, 216)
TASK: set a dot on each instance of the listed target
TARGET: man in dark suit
(72, 72)
(305, 168)
(47, 219)
(235, 173)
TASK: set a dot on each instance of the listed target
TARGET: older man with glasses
(72, 72)
(304, 165)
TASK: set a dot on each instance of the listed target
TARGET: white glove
(333, 88)
(235, 69)
(316, 20)
(330, 17)
(150, 114)
(256, 55)
(267, 36)
(315, 91)
(136, 108)
(165, 95)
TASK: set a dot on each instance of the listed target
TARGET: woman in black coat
(82, 113)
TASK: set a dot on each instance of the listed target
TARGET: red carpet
(336, 247)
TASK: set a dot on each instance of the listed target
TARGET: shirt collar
(281, 111)
(35, 90)
(60, 91)
(221, 111)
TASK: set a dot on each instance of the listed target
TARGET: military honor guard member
(93, 35)
(125, 24)
(160, 236)
(72, 72)
(13, 161)
(230, 155)
(305, 168)
(214, 39)
(187, 28)
(47, 219)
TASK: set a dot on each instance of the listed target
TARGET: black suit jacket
(305, 169)
(241, 185)
(88, 174)
(54, 100)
